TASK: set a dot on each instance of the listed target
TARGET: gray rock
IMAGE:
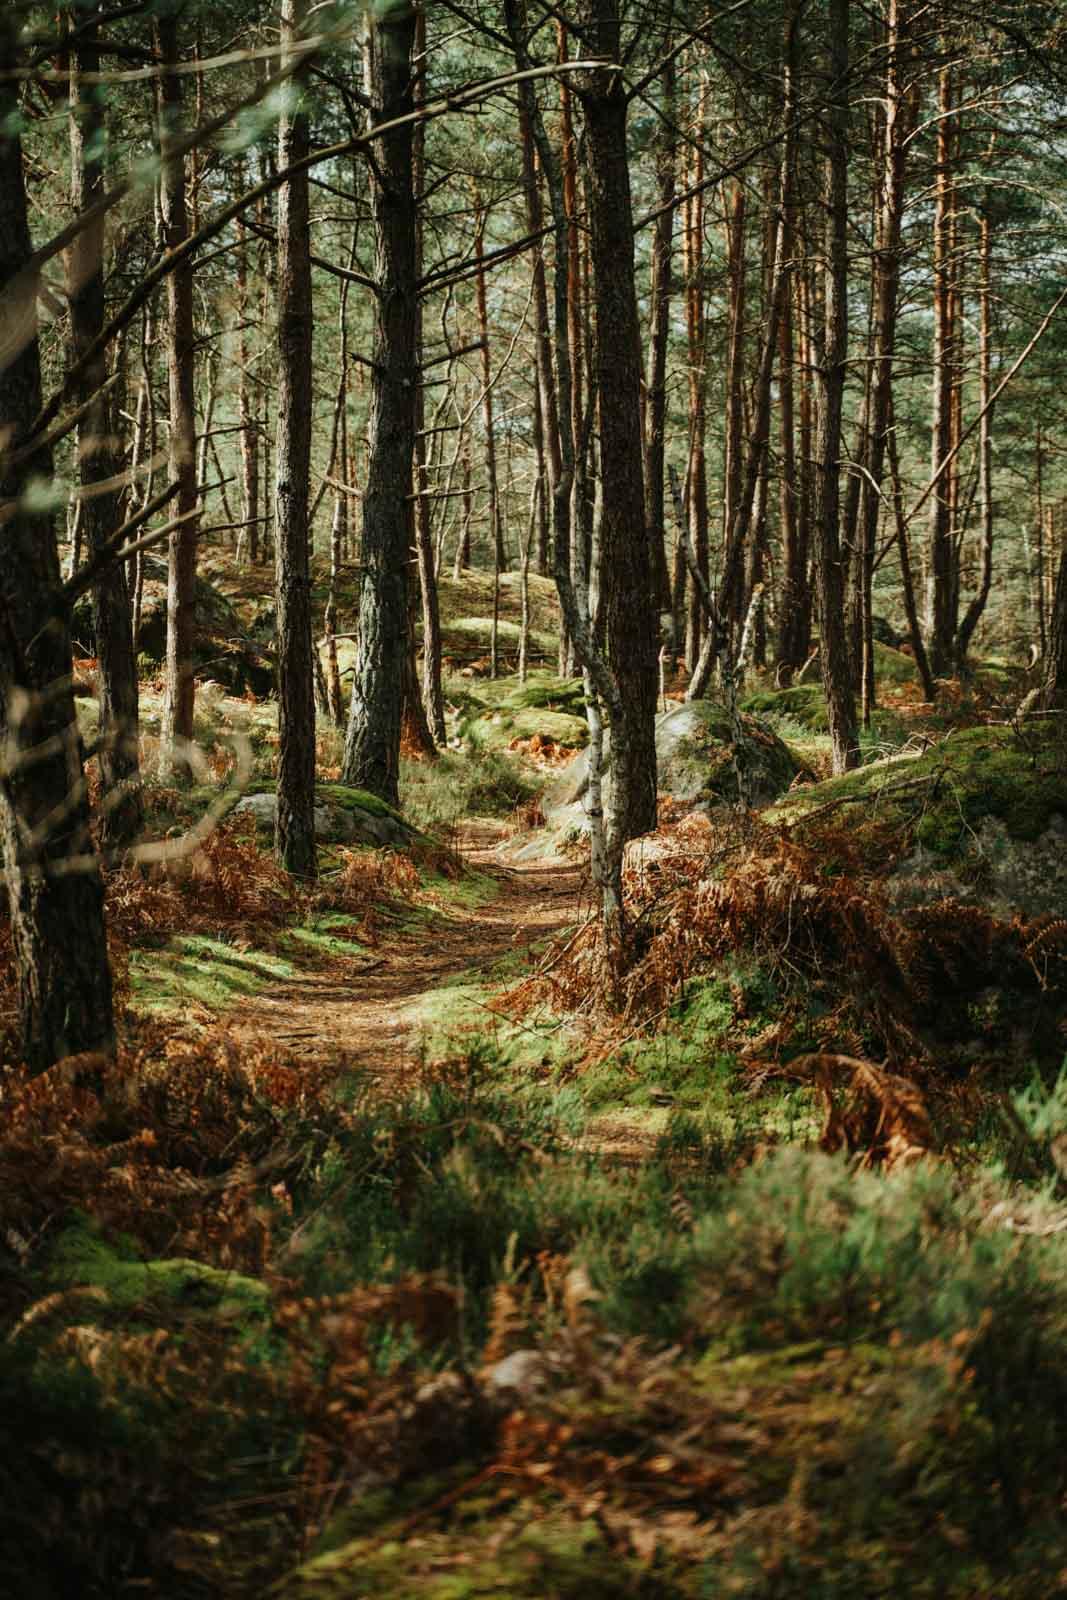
(694, 757)
(522, 1373)
(336, 824)
(1010, 877)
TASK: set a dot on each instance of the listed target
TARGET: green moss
(496, 730)
(316, 938)
(81, 1256)
(547, 690)
(348, 799)
(492, 1557)
(475, 634)
(892, 666)
(1018, 778)
(208, 972)
(803, 704)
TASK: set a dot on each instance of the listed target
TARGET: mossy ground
(81, 1257)
(1016, 775)
(196, 970)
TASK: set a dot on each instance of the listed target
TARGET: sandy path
(364, 1011)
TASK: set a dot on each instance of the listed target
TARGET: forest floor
(369, 1020)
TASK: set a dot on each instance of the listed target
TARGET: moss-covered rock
(498, 729)
(545, 689)
(893, 666)
(82, 1258)
(516, 1558)
(981, 816)
(695, 763)
(695, 756)
(803, 703)
(343, 815)
(465, 637)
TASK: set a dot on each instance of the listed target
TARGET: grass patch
(195, 969)
(480, 783)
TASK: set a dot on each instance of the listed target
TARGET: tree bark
(100, 462)
(696, 329)
(658, 338)
(1053, 694)
(432, 696)
(899, 116)
(630, 624)
(294, 833)
(977, 606)
(176, 730)
(941, 587)
(372, 744)
(833, 653)
(55, 896)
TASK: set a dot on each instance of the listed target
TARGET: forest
(533, 799)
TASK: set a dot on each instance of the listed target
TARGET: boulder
(694, 756)
(342, 816)
(982, 818)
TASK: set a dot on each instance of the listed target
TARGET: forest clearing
(533, 800)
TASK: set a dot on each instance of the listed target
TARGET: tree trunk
(658, 338)
(176, 730)
(246, 540)
(463, 543)
(630, 630)
(696, 329)
(372, 744)
(940, 619)
(731, 595)
(100, 462)
(1053, 693)
(794, 599)
(900, 107)
(432, 696)
(833, 653)
(546, 387)
(55, 897)
(496, 534)
(294, 834)
(985, 444)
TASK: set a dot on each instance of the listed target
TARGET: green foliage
(479, 783)
(349, 799)
(1017, 776)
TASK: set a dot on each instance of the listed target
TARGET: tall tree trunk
(463, 543)
(630, 624)
(732, 596)
(939, 609)
(836, 676)
(697, 331)
(54, 892)
(496, 532)
(432, 696)
(294, 835)
(546, 385)
(176, 730)
(899, 116)
(658, 338)
(985, 443)
(100, 461)
(794, 599)
(246, 540)
(1053, 692)
(572, 279)
(372, 744)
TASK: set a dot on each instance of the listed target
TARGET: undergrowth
(788, 1372)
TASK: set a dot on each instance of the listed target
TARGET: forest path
(367, 1016)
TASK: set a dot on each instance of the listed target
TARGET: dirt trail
(365, 1012)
